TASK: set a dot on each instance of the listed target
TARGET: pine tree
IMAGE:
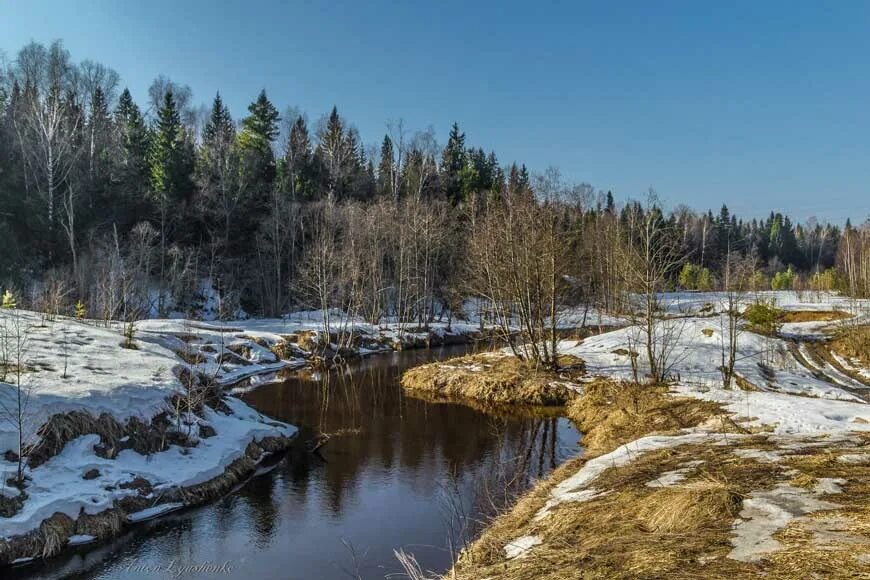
(337, 155)
(171, 165)
(98, 129)
(610, 206)
(219, 130)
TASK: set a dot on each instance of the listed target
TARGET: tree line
(129, 207)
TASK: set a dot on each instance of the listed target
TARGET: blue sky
(762, 105)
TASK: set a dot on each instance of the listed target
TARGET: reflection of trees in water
(376, 432)
(262, 510)
(471, 462)
(523, 452)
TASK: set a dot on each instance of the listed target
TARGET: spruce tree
(386, 168)
(99, 125)
(259, 130)
(337, 156)
(165, 151)
(217, 168)
(452, 164)
(298, 169)
(8, 301)
(131, 170)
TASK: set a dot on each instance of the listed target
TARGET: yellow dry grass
(635, 531)
(853, 343)
(812, 315)
(687, 508)
(612, 413)
(685, 531)
(493, 378)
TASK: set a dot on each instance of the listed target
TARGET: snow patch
(520, 547)
(81, 539)
(153, 512)
(571, 489)
(765, 512)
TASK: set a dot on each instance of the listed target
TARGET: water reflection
(395, 472)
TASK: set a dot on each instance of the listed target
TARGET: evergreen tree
(337, 155)
(453, 162)
(610, 207)
(387, 177)
(298, 174)
(259, 130)
(130, 163)
(99, 131)
(8, 301)
(166, 149)
(217, 167)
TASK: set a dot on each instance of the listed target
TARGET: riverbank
(100, 431)
(123, 423)
(238, 349)
(691, 480)
(495, 378)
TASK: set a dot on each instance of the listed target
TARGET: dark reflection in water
(396, 472)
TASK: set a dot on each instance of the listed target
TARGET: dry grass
(611, 413)
(493, 379)
(142, 437)
(812, 315)
(834, 543)
(103, 525)
(853, 343)
(635, 531)
(685, 531)
(688, 508)
(850, 343)
(62, 428)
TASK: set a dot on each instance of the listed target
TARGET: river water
(396, 473)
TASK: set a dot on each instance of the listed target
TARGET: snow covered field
(73, 366)
(697, 355)
(713, 302)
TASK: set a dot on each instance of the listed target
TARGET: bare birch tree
(649, 258)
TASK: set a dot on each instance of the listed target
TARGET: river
(396, 473)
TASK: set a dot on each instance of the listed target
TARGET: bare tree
(519, 264)
(48, 126)
(737, 273)
(69, 226)
(14, 334)
(649, 258)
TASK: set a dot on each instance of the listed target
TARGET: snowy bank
(112, 432)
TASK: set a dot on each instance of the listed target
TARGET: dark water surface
(397, 472)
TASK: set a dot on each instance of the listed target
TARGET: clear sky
(762, 105)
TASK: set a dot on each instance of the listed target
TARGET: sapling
(737, 274)
(8, 301)
(81, 310)
(14, 409)
(64, 350)
(129, 335)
